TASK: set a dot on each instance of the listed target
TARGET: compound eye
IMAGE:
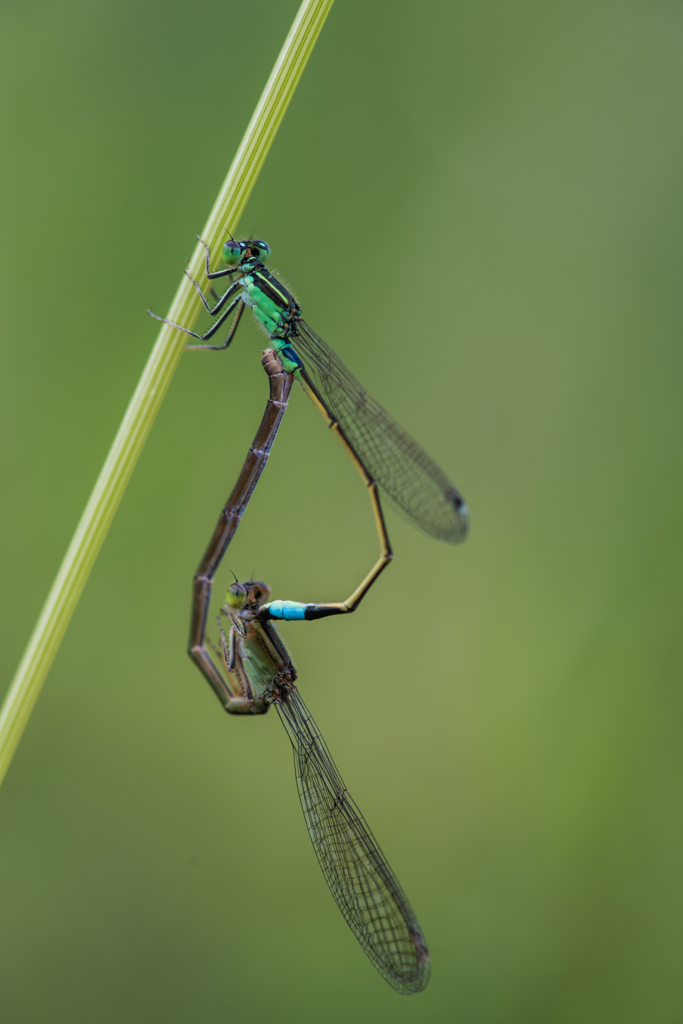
(259, 593)
(232, 251)
(260, 249)
(236, 596)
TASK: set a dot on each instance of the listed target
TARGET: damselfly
(385, 453)
(366, 890)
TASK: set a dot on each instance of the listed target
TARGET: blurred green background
(479, 206)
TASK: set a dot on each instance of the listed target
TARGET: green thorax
(271, 302)
(263, 657)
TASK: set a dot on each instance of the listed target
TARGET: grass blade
(156, 377)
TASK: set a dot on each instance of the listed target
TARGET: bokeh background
(479, 206)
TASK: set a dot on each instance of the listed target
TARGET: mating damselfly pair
(254, 670)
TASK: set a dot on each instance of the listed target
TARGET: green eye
(232, 251)
(236, 596)
(260, 249)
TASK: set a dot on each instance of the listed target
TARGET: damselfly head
(235, 252)
(251, 594)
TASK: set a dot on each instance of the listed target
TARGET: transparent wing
(364, 887)
(411, 480)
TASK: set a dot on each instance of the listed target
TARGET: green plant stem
(156, 377)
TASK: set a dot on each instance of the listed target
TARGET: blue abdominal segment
(288, 357)
(288, 610)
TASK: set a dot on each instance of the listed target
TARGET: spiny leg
(231, 333)
(213, 274)
(228, 652)
(221, 299)
(230, 659)
(214, 327)
(236, 704)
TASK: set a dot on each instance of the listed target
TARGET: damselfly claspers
(384, 453)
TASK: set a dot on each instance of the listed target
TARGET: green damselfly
(256, 672)
(382, 451)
